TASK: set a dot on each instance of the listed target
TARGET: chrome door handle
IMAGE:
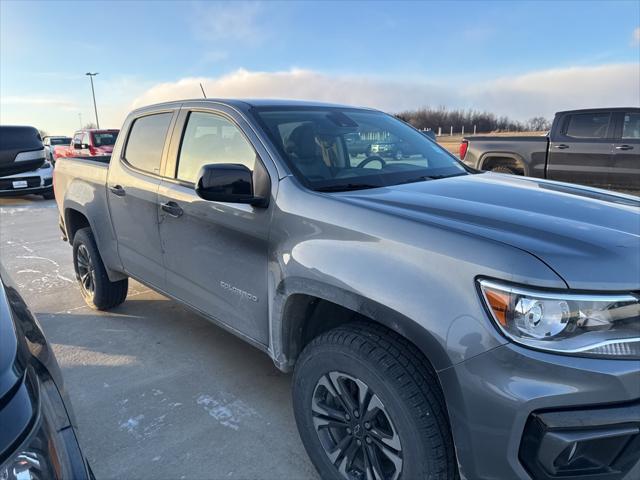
(562, 146)
(172, 208)
(117, 190)
(624, 147)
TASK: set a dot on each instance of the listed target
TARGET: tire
(406, 407)
(504, 169)
(49, 195)
(97, 290)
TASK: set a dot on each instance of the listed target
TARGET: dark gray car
(438, 321)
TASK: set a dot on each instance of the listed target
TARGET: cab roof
(244, 104)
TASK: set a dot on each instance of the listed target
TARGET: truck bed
(80, 185)
(498, 138)
(526, 154)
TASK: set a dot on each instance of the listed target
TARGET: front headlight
(51, 450)
(606, 325)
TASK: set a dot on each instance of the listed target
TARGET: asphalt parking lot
(158, 392)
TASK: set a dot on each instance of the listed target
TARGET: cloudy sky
(520, 59)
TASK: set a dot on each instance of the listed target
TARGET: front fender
(284, 326)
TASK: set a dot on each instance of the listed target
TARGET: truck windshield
(336, 149)
(60, 141)
(101, 139)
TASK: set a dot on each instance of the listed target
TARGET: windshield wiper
(423, 178)
(345, 187)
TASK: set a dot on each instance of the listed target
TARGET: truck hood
(104, 150)
(590, 237)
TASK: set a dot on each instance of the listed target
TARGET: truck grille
(7, 183)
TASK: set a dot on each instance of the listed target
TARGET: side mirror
(234, 183)
(77, 146)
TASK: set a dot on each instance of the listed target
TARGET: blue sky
(515, 58)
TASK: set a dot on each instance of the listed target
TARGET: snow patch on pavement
(229, 412)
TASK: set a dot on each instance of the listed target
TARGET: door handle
(624, 147)
(117, 190)
(561, 146)
(172, 208)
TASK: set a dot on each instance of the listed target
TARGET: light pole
(91, 75)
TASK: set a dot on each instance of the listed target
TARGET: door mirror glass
(77, 146)
(233, 183)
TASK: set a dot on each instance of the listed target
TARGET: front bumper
(498, 399)
(38, 182)
(39, 440)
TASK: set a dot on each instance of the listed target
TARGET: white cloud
(635, 37)
(228, 21)
(520, 97)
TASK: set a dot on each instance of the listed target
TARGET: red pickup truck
(88, 143)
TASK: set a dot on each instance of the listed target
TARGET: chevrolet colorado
(439, 321)
(597, 147)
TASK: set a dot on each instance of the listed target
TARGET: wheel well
(74, 221)
(493, 161)
(309, 316)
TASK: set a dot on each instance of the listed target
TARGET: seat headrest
(301, 142)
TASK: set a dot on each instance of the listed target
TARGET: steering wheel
(372, 158)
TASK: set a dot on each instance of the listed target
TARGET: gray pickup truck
(439, 321)
(597, 147)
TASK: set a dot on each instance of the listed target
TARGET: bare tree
(89, 126)
(538, 124)
(432, 118)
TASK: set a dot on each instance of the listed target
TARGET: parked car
(438, 321)
(38, 437)
(356, 145)
(89, 143)
(21, 149)
(430, 134)
(23, 168)
(394, 148)
(50, 142)
(596, 147)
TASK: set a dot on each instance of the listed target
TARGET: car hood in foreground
(590, 237)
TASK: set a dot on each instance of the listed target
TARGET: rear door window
(146, 142)
(589, 125)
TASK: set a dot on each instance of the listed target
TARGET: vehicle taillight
(463, 149)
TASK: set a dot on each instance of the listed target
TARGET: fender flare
(514, 156)
(283, 327)
(68, 205)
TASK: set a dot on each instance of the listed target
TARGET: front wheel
(504, 169)
(366, 407)
(97, 290)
